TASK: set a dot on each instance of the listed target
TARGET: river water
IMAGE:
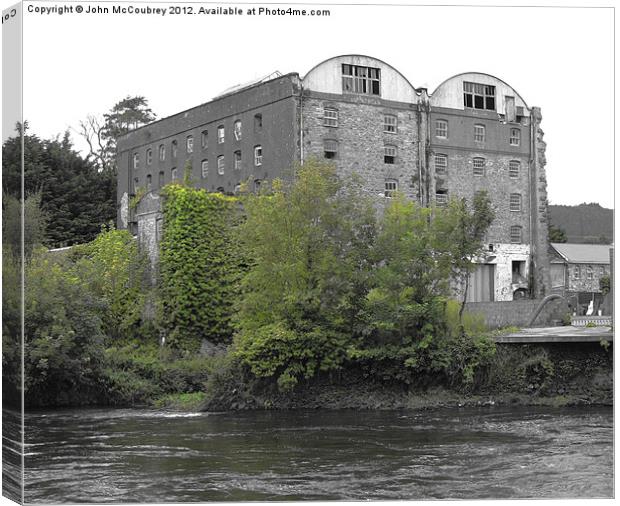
(102, 455)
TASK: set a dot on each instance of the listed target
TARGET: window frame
(390, 127)
(221, 134)
(221, 165)
(204, 139)
(514, 169)
(237, 160)
(390, 187)
(480, 170)
(443, 201)
(162, 152)
(439, 127)
(390, 151)
(204, 168)
(361, 80)
(237, 132)
(330, 146)
(149, 156)
(189, 144)
(135, 161)
(480, 133)
(515, 203)
(479, 93)
(444, 167)
(258, 157)
(515, 137)
(174, 150)
(516, 229)
(329, 119)
(174, 174)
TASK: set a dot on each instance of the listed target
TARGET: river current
(107, 455)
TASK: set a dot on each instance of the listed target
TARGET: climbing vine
(200, 266)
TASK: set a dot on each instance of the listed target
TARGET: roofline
(417, 90)
(484, 74)
(219, 97)
(567, 260)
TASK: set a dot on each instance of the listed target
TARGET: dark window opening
(478, 96)
(518, 271)
(258, 121)
(330, 148)
(359, 79)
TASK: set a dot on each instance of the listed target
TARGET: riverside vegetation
(306, 293)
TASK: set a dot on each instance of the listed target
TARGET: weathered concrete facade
(473, 133)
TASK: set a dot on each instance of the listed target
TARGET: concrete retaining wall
(518, 313)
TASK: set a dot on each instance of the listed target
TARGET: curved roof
(363, 56)
(517, 94)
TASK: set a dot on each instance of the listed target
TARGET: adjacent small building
(576, 272)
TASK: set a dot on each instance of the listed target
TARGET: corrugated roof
(583, 253)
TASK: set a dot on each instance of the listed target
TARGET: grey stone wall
(518, 313)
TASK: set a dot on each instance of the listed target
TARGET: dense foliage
(334, 283)
(200, 266)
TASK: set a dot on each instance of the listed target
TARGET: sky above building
(559, 59)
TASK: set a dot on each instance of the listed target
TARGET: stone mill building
(474, 132)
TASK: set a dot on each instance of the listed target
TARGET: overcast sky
(560, 59)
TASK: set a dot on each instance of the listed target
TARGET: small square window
(389, 154)
(479, 166)
(515, 234)
(204, 168)
(441, 165)
(390, 124)
(479, 133)
(441, 128)
(220, 165)
(220, 134)
(237, 130)
(258, 155)
(515, 137)
(514, 168)
(237, 160)
(330, 117)
(515, 202)
(391, 187)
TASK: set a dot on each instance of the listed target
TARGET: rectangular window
(161, 179)
(173, 173)
(576, 272)
(441, 198)
(358, 79)
(515, 137)
(220, 134)
(220, 165)
(478, 96)
(515, 234)
(391, 186)
(258, 121)
(479, 133)
(136, 160)
(589, 272)
(514, 168)
(162, 152)
(174, 149)
(204, 139)
(389, 154)
(204, 168)
(149, 182)
(237, 130)
(441, 128)
(258, 155)
(330, 117)
(515, 202)
(149, 156)
(237, 160)
(441, 165)
(330, 148)
(479, 164)
(189, 144)
(390, 124)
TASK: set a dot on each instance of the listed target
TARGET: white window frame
(515, 137)
(204, 139)
(330, 146)
(237, 130)
(330, 117)
(514, 169)
(390, 151)
(221, 134)
(441, 198)
(174, 174)
(361, 80)
(480, 133)
(441, 128)
(479, 166)
(204, 168)
(221, 165)
(391, 187)
(149, 156)
(174, 150)
(162, 152)
(589, 272)
(136, 160)
(189, 143)
(515, 202)
(237, 160)
(390, 124)
(258, 155)
(519, 229)
(576, 272)
(441, 168)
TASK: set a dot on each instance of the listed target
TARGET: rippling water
(146, 456)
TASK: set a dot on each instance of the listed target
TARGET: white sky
(560, 59)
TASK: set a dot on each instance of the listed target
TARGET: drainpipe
(301, 123)
(419, 119)
(533, 201)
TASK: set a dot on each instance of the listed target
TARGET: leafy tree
(101, 134)
(557, 234)
(75, 197)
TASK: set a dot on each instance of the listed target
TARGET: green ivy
(200, 266)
